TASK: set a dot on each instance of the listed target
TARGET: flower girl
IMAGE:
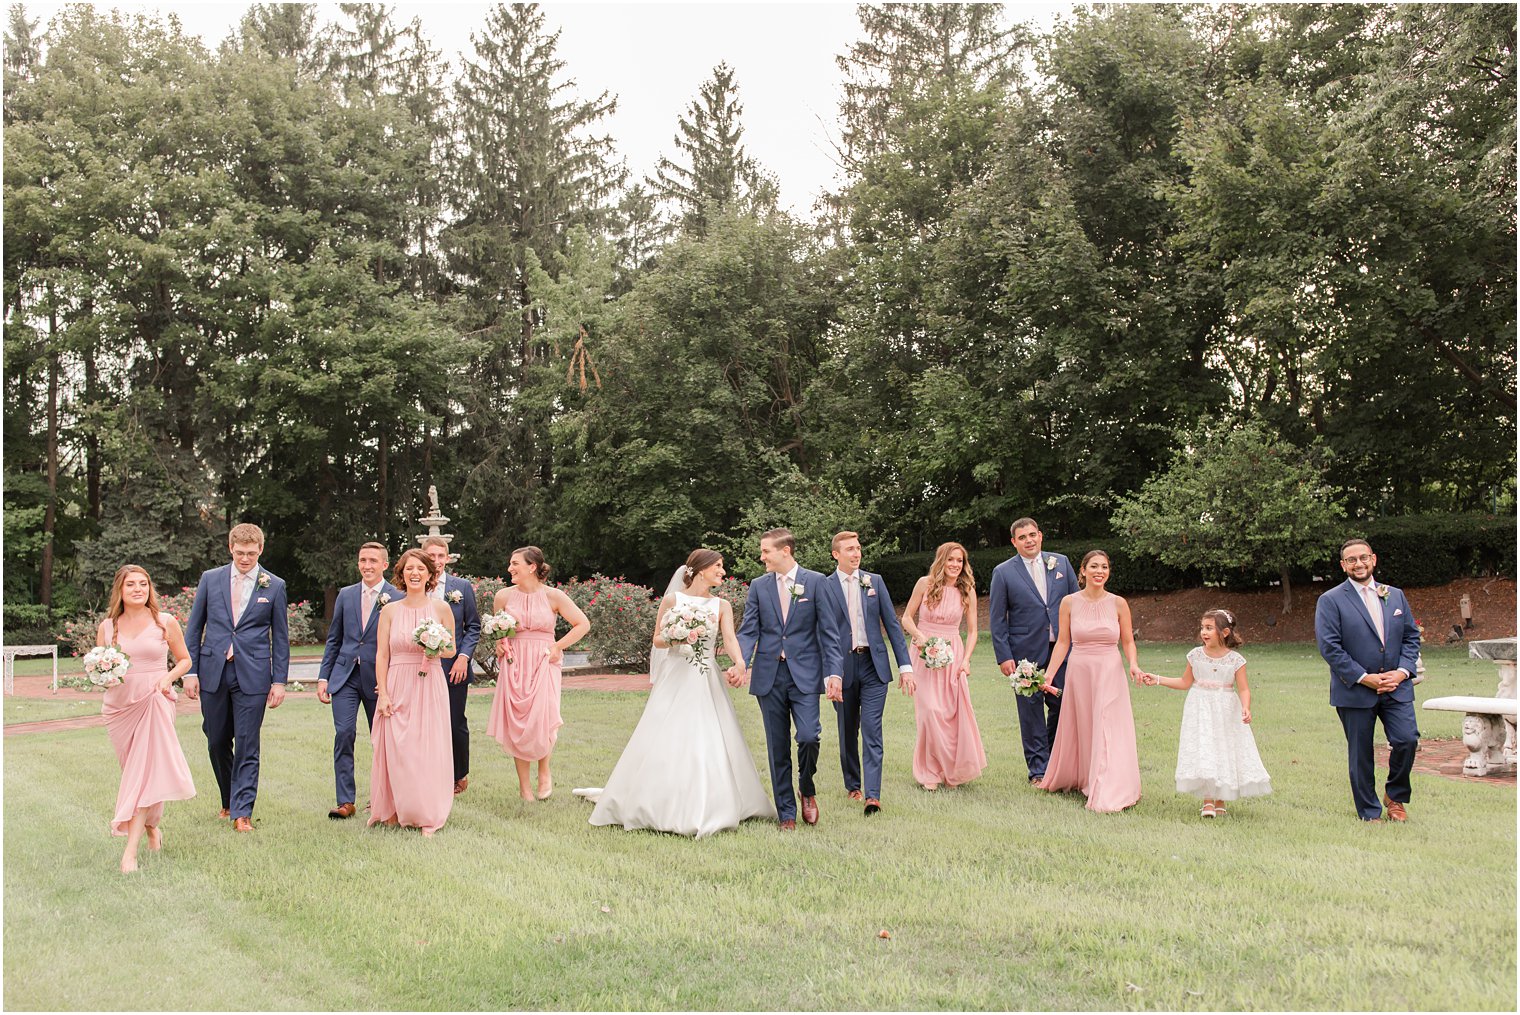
(1216, 753)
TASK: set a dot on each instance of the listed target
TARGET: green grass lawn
(995, 895)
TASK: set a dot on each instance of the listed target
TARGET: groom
(861, 607)
(239, 643)
(792, 643)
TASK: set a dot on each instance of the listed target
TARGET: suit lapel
(776, 598)
(224, 585)
(1355, 592)
(1023, 570)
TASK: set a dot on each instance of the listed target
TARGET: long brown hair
(1224, 621)
(116, 605)
(414, 554)
(965, 584)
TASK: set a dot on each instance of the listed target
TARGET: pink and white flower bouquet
(106, 665)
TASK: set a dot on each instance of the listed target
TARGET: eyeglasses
(1365, 558)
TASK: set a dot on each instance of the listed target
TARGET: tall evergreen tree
(714, 171)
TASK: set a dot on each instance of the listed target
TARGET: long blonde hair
(965, 584)
(116, 605)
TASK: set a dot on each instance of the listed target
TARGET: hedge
(1412, 550)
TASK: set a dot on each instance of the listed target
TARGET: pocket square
(1059, 576)
(870, 592)
(263, 600)
(1398, 613)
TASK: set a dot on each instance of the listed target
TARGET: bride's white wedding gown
(686, 768)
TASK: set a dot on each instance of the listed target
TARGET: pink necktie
(369, 606)
(786, 596)
(237, 602)
(1376, 609)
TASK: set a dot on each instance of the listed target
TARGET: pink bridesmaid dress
(1095, 742)
(140, 722)
(412, 774)
(949, 746)
(525, 717)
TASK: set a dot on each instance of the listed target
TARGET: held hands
(1136, 674)
(736, 675)
(322, 694)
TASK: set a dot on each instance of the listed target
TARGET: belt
(862, 650)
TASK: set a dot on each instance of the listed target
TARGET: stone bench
(1483, 730)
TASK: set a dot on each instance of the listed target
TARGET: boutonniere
(796, 591)
(1382, 591)
(865, 582)
(454, 596)
(263, 580)
(1050, 563)
(383, 598)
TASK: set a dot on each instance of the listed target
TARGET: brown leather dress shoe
(789, 825)
(224, 814)
(810, 809)
(872, 806)
(242, 825)
(461, 784)
(342, 811)
(1395, 810)
(855, 794)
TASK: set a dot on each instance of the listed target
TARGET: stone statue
(433, 501)
(1482, 737)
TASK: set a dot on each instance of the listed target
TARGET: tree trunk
(92, 464)
(329, 600)
(385, 472)
(1287, 590)
(50, 517)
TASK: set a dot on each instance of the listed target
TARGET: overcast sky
(654, 57)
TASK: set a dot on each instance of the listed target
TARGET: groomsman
(239, 643)
(1027, 590)
(862, 607)
(460, 597)
(1367, 635)
(346, 678)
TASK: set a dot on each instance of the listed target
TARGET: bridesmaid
(525, 711)
(1094, 749)
(139, 711)
(412, 772)
(949, 746)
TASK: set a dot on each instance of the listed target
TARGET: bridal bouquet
(106, 665)
(1026, 678)
(496, 626)
(937, 653)
(687, 631)
(434, 638)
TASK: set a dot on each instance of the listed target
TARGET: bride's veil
(659, 658)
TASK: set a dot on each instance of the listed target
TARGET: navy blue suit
(786, 675)
(234, 692)
(348, 666)
(866, 677)
(1024, 627)
(1349, 642)
(466, 636)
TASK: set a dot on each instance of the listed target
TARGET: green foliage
(622, 618)
(1236, 501)
(813, 511)
(1417, 550)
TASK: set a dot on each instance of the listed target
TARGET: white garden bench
(1488, 729)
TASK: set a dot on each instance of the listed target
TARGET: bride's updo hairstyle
(700, 560)
(1081, 570)
(534, 556)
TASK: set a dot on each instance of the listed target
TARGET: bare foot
(155, 838)
(527, 794)
(129, 865)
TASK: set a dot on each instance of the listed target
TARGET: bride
(686, 768)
